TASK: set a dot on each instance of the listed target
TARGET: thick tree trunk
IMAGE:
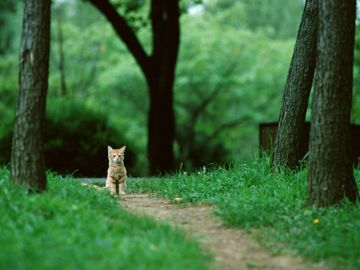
(27, 157)
(330, 169)
(159, 70)
(161, 129)
(160, 78)
(287, 151)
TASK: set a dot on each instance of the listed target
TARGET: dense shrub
(76, 140)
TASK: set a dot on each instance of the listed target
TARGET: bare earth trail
(232, 248)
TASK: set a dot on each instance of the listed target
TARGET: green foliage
(8, 89)
(76, 139)
(9, 14)
(227, 81)
(356, 87)
(78, 227)
(240, 69)
(250, 196)
(280, 19)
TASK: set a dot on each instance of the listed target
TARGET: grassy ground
(76, 227)
(250, 196)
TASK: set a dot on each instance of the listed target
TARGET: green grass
(250, 196)
(72, 226)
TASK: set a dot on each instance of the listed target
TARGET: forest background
(230, 76)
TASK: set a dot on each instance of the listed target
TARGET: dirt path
(232, 248)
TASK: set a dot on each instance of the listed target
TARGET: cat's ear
(123, 148)
(109, 149)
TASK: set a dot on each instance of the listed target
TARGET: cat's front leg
(112, 188)
(122, 186)
(111, 184)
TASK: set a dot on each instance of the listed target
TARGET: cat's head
(116, 156)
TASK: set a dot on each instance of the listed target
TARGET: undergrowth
(251, 196)
(72, 226)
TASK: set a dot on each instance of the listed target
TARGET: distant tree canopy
(280, 19)
(8, 31)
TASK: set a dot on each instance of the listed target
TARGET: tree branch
(230, 124)
(206, 101)
(124, 31)
(242, 119)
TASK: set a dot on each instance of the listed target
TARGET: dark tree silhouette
(159, 71)
(331, 176)
(287, 150)
(27, 157)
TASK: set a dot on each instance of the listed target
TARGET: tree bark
(27, 157)
(331, 176)
(161, 116)
(297, 90)
(161, 130)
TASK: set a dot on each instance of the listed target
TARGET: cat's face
(116, 156)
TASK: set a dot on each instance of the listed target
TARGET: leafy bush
(76, 140)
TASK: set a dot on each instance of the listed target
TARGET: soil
(233, 249)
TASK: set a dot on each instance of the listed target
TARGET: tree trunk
(331, 176)
(160, 78)
(27, 157)
(161, 129)
(159, 71)
(287, 150)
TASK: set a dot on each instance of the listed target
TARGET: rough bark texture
(330, 169)
(159, 71)
(27, 157)
(287, 152)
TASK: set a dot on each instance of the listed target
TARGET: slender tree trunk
(331, 176)
(60, 39)
(287, 151)
(27, 157)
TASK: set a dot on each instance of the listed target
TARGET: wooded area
(240, 120)
(184, 84)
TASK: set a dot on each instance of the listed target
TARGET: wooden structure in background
(267, 133)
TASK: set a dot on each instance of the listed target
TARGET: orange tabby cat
(116, 174)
